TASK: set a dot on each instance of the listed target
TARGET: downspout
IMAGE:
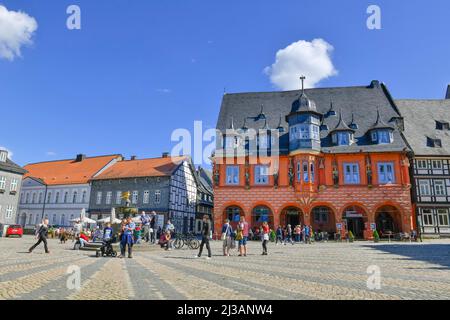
(414, 198)
(45, 201)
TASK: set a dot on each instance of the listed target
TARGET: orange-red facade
(326, 201)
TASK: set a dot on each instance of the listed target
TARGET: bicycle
(188, 240)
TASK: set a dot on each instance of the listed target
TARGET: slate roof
(68, 172)
(12, 167)
(155, 167)
(420, 124)
(205, 180)
(360, 103)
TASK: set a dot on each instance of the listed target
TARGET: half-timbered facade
(427, 130)
(166, 185)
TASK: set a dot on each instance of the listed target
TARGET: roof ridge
(297, 90)
(63, 160)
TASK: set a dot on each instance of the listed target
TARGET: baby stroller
(106, 249)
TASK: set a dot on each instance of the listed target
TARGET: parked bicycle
(189, 240)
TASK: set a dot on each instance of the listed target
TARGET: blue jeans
(243, 241)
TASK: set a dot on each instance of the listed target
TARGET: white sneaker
(208, 258)
(196, 257)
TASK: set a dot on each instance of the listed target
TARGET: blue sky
(139, 69)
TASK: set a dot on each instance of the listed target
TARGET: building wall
(45, 204)
(8, 198)
(372, 199)
(183, 198)
(141, 185)
(431, 194)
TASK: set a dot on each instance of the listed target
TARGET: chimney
(447, 96)
(80, 157)
(374, 84)
(165, 155)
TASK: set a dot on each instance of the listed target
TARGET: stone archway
(261, 214)
(355, 220)
(388, 220)
(323, 220)
(233, 213)
(292, 215)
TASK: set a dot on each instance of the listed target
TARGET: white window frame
(353, 175)
(2, 183)
(434, 165)
(261, 175)
(420, 163)
(119, 197)
(9, 212)
(384, 178)
(14, 185)
(425, 187)
(146, 198)
(232, 175)
(3, 156)
(157, 197)
(429, 214)
(439, 188)
(443, 218)
(343, 138)
(99, 197)
(108, 197)
(135, 197)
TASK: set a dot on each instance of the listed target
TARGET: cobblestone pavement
(300, 272)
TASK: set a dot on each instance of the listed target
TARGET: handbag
(239, 235)
(224, 234)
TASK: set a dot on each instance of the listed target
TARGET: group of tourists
(291, 235)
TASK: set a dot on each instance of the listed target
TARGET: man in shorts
(244, 228)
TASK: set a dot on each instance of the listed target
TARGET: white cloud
(312, 59)
(50, 153)
(16, 30)
(10, 153)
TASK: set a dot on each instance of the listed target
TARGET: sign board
(373, 226)
(339, 226)
(353, 214)
(159, 221)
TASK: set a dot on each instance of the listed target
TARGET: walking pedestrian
(127, 238)
(153, 233)
(288, 235)
(205, 237)
(279, 234)
(145, 222)
(227, 238)
(243, 229)
(265, 237)
(307, 234)
(41, 235)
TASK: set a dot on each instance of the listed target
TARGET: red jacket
(84, 237)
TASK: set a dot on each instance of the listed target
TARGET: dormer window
(434, 143)
(3, 155)
(342, 138)
(442, 125)
(382, 136)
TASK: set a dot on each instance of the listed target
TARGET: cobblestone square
(298, 272)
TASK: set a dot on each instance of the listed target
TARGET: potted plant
(351, 237)
(376, 236)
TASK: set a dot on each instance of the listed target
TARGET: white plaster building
(59, 190)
